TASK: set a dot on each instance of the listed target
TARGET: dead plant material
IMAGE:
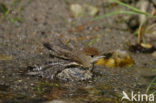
(140, 48)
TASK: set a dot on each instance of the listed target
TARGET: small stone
(83, 10)
(77, 10)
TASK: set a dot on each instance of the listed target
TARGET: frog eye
(92, 56)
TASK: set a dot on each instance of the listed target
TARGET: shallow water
(41, 20)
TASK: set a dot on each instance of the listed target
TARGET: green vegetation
(92, 42)
(3, 9)
(43, 87)
(150, 85)
(133, 11)
(6, 10)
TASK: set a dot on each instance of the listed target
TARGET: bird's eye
(92, 55)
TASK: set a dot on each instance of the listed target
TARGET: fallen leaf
(116, 59)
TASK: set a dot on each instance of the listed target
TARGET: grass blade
(132, 8)
(115, 13)
(150, 84)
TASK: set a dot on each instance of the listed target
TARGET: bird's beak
(93, 60)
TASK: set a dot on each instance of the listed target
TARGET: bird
(84, 57)
(68, 63)
(87, 56)
(76, 63)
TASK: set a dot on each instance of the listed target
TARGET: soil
(21, 44)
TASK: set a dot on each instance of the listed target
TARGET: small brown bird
(83, 57)
(74, 63)
(88, 56)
